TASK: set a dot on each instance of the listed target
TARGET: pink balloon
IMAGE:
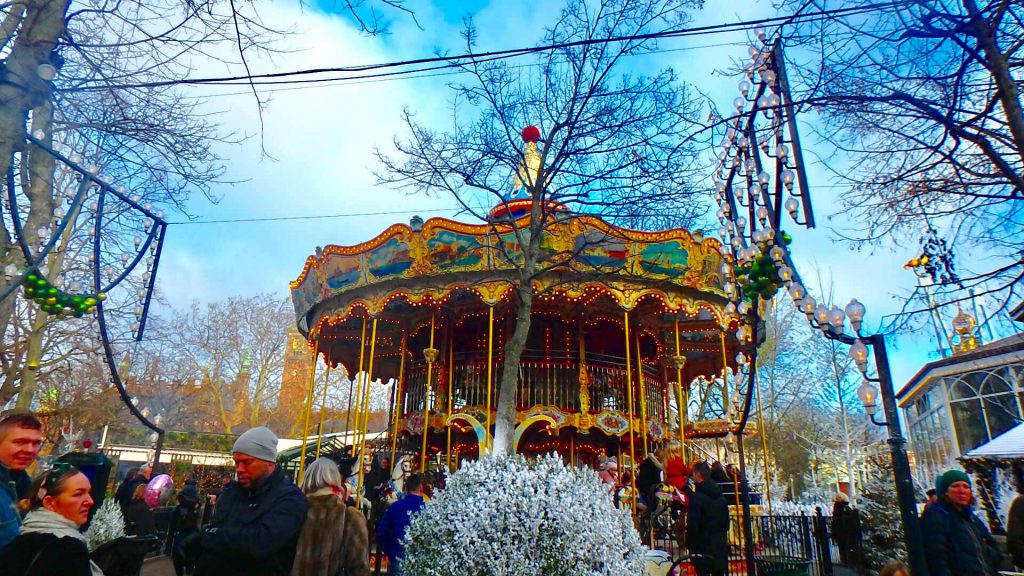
(158, 491)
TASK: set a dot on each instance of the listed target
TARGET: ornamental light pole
(760, 176)
(831, 322)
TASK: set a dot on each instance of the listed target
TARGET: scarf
(43, 521)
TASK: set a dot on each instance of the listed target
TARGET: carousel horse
(403, 468)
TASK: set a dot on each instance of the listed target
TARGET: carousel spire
(528, 173)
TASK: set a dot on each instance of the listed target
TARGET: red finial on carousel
(530, 134)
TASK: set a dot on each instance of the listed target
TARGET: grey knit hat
(260, 443)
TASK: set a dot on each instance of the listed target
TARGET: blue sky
(321, 142)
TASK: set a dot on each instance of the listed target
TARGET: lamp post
(832, 328)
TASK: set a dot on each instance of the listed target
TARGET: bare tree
(232, 352)
(921, 103)
(98, 80)
(604, 142)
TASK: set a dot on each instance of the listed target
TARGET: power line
(302, 217)
(412, 75)
(464, 59)
(314, 216)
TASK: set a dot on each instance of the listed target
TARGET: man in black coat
(707, 524)
(256, 526)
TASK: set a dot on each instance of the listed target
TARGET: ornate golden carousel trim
(577, 222)
(374, 306)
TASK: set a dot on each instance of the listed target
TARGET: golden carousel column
(323, 409)
(451, 368)
(309, 406)
(679, 361)
(585, 421)
(366, 408)
(764, 446)
(398, 396)
(725, 387)
(430, 355)
(629, 404)
(490, 367)
(643, 392)
(353, 408)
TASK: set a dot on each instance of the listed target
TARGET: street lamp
(868, 395)
(833, 329)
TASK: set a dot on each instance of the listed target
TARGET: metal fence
(789, 545)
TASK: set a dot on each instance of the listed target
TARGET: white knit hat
(260, 443)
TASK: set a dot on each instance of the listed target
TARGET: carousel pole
(366, 407)
(353, 431)
(348, 414)
(357, 384)
(323, 409)
(629, 404)
(643, 392)
(398, 397)
(725, 378)
(490, 365)
(679, 360)
(309, 406)
(430, 355)
(451, 360)
(764, 447)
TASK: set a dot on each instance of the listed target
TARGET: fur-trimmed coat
(334, 537)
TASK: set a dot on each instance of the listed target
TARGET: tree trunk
(22, 90)
(505, 419)
(1009, 97)
(30, 367)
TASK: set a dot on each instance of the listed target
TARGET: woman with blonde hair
(333, 539)
(50, 543)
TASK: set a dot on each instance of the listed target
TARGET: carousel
(629, 329)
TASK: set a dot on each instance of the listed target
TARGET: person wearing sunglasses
(50, 543)
(21, 436)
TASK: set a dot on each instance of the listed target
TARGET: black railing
(796, 544)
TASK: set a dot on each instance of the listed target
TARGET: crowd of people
(265, 525)
(262, 523)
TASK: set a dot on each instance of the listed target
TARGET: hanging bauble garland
(761, 277)
(53, 300)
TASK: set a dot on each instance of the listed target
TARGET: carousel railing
(545, 378)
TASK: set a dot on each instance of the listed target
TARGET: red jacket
(677, 472)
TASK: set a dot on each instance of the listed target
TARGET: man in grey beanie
(258, 517)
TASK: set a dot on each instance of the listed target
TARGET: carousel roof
(427, 262)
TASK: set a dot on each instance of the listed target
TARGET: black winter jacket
(707, 524)
(254, 530)
(957, 543)
(45, 555)
(140, 520)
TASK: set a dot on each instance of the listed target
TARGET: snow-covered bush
(107, 524)
(1004, 488)
(506, 516)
